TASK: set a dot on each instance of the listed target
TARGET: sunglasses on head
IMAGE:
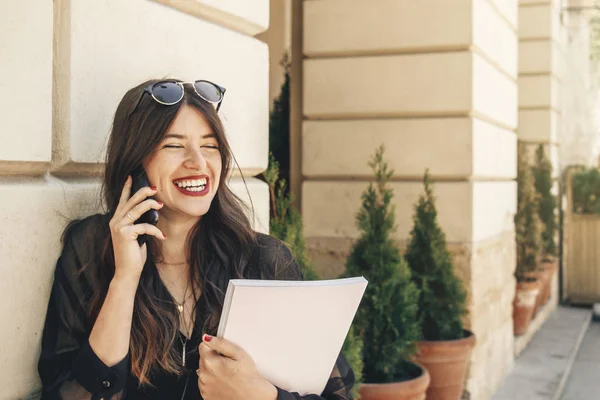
(171, 92)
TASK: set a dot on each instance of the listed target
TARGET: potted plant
(528, 241)
(547, 212)
(445, 346)
(387, 318)
(286, 221)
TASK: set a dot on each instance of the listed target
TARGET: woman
(137, 322)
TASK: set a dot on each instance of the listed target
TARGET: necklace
(181, 308)
(177, 263)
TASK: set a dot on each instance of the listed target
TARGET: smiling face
(186, 166)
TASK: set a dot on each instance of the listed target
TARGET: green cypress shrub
(286, 220)
(386, 320)
(279, 124)
(528, 226)
(547, 201)
(442, 300)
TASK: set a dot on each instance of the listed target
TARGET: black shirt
(69, 368)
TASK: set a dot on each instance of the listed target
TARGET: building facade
(448, 85)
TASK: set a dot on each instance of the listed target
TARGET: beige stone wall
(279, 39)
(542, 44)
(578, 136)
(444, 99)
(541, 71)
(65, 69)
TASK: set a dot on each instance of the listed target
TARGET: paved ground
(541, 371)
(584, 380)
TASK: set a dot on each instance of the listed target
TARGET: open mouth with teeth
(192, 186)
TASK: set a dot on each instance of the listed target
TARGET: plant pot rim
(528, 285)
(424, 375)
(527, 278)
(469, 337)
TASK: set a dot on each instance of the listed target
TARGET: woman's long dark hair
(219, 247)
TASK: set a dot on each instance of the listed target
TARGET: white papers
(293, 330)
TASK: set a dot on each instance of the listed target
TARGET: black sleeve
(285, 267)
(338, 386)
(68, 367)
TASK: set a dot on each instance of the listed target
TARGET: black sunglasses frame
(150, 90)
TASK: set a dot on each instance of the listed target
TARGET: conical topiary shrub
(279, 123)
(445, 348)
(442, 302)
(547, 202)
(387, 317)
(528, 226)
(542, 172)
(528, 245)
(286, 220)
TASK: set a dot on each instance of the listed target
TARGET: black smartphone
(139, 181)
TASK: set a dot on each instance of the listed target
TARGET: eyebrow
(178, 136)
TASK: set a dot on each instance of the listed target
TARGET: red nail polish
(207, 338)
(160, 203)
(165, 236)
(153, 187)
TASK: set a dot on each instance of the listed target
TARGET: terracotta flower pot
(539, 276)
(447, 363)
(550, 267)
(413, 389)
(523, 305)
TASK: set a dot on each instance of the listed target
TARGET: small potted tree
(445, 347)
(387, 318)
(547, 212)
(286, 221)
(528, 241)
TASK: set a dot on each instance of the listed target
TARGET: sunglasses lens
(167, 92)
(208, 91)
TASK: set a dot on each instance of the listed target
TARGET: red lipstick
(186, 192)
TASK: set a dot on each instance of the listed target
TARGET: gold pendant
(180, 307)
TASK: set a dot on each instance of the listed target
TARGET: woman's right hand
(130, 257)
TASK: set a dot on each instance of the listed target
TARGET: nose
(195, 160)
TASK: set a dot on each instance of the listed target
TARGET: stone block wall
(445, 99)
(542, 72)
(66, 64)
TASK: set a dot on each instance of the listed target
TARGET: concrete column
(279, 39)
(577, 73)
(65, 70)
(436, 81)
(543, 56)
(540, 74)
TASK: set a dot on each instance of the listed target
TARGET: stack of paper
(293, 330)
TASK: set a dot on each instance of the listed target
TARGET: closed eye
(172, 146)
(211, 146)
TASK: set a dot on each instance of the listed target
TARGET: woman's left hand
(228, 373)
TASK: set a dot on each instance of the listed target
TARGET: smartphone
(140, 180)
